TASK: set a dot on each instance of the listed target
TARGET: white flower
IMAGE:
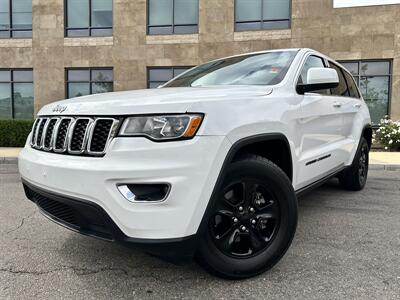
(386, 148)
(390, 142)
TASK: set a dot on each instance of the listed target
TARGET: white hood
(164, 100)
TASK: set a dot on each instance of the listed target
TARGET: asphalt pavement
(347, 246)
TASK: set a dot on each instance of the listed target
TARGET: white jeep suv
(208, 165)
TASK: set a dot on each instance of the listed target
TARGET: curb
(378, 167)
(8, 160)
(382, 167)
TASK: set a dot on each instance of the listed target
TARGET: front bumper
(90, 219)
(190, 167)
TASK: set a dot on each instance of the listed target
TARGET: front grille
(39, 133)
(61, 135)
(77, 136)
(100, 135)
(49, 133)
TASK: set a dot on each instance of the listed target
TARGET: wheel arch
(367, 134)
(234, 153)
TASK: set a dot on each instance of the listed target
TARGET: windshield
(254, 69)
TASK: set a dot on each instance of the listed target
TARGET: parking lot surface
(347, 246)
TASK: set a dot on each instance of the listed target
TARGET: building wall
(342, 33)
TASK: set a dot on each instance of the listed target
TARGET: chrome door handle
(337, 104)
(357, 105)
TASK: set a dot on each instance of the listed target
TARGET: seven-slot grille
(81, 135)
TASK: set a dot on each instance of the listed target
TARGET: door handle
(357, 105)
(337, 104)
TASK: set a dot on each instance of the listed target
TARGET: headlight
(167, 127)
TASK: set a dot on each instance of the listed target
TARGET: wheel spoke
(250, 189)
(222, 223)
(234, 195)
(225, 213)
(256, 242)
(228, 238)
(270, 210)
(266, 226)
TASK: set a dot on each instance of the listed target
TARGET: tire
(354, 178)
(256, 194)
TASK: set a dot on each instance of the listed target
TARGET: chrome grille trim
(85, 137)
(52, 134)
(34, 128)
(111, 135)
(56, 132)
(53, 128)
(39, 133)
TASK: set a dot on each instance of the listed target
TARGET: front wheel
(253, 220)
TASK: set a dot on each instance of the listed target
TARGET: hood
(163, 100)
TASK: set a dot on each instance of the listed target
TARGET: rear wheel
(355, 177)
(253, 220)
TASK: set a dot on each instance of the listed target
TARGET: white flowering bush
(388, 134)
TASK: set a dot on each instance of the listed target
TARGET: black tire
(354, 177)
(270, 200)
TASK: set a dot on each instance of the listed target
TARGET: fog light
(144, 192)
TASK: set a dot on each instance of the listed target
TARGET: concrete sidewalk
(378, 160)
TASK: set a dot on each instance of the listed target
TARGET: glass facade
(16, 94)
(15, 18)
(173, 16)
(262, 14)
(89, 18)
(374, 80)
(81, 82)
(159, 75)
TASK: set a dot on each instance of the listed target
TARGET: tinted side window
(352, 86)
(312, 62)
(341, 89)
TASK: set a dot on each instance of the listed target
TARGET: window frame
(357, 78)
(90, 27)
(12, 82)
(262, 21)
(11, 30)
(148, 26)
(90, 82)
(148, 81)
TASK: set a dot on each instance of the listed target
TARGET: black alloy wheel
(251, 221)
(246, 219)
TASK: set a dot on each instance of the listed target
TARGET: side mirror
(319, 79)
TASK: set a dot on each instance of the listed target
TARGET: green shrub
(388, 134)
(13, 133)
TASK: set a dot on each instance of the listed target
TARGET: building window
(374, 80)
(16, 94)
(89, 18)
(173, 16)
(81, 82)
(15, 18)
(159, 75)
(262, 14)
